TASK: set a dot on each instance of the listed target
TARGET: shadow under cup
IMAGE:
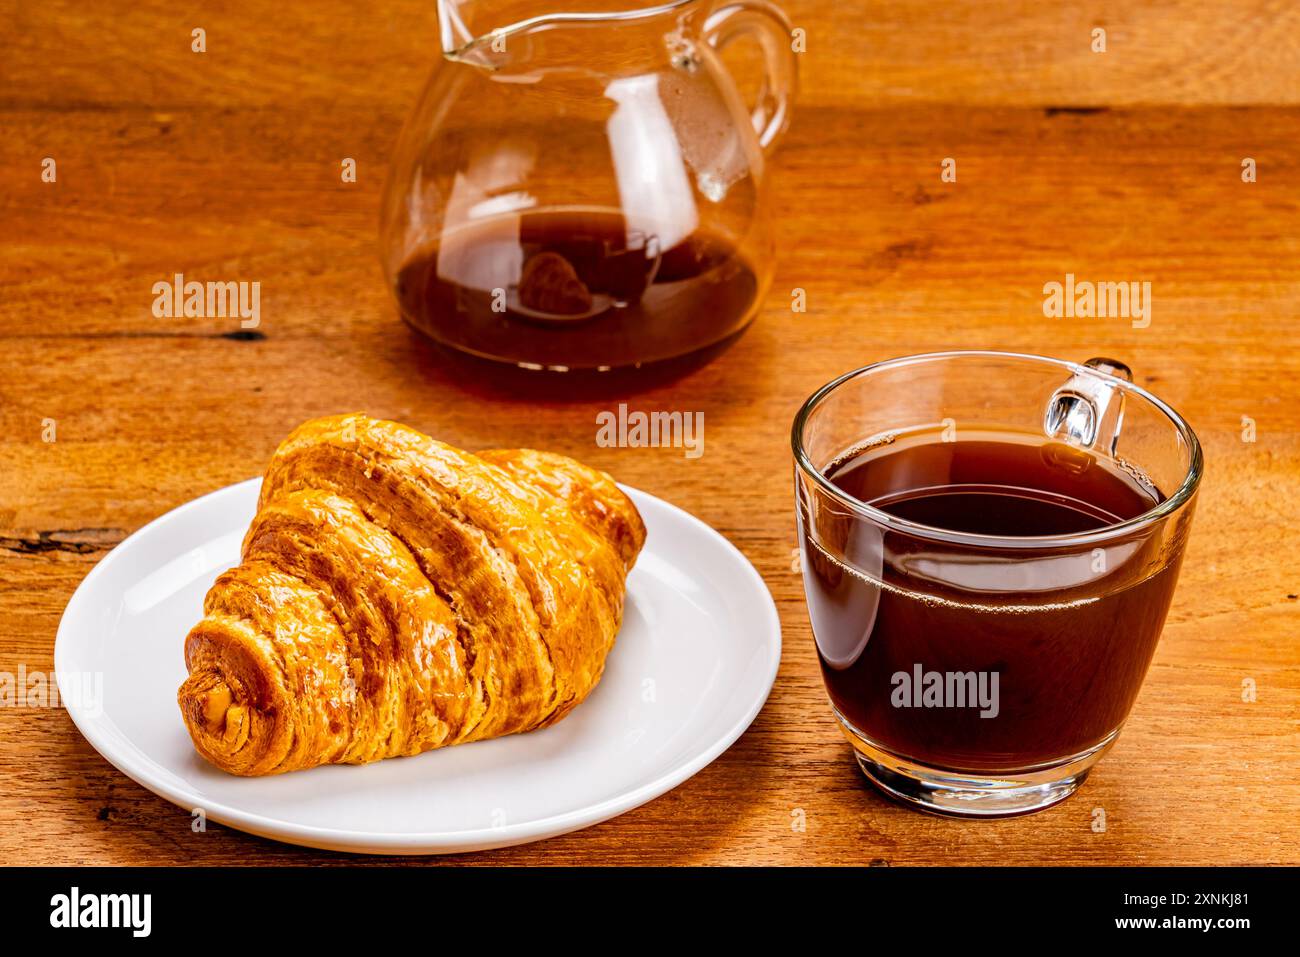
(989, 544)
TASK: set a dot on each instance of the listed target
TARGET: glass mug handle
(1086, 411)
(769, 25)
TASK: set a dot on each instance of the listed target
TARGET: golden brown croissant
(397, 595)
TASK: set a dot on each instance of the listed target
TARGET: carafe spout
(483, 33)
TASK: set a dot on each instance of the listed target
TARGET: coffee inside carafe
(573, 289)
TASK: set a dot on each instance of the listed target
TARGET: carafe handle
(768, 24)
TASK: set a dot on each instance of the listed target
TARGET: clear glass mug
(984, 674)
(585, 189)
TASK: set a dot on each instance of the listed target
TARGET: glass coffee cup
(990, 544)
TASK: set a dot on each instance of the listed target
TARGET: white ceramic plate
(692, 666)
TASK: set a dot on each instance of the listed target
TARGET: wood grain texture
(228, 165)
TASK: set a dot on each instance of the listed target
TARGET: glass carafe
(585, 190)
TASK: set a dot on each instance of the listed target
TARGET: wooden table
(1122, 165)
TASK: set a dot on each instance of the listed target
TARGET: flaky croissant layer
(396, 595)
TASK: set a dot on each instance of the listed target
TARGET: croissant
(396, 595)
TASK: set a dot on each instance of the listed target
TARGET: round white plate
(692, 666)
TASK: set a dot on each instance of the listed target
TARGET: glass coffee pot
(585, 190)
